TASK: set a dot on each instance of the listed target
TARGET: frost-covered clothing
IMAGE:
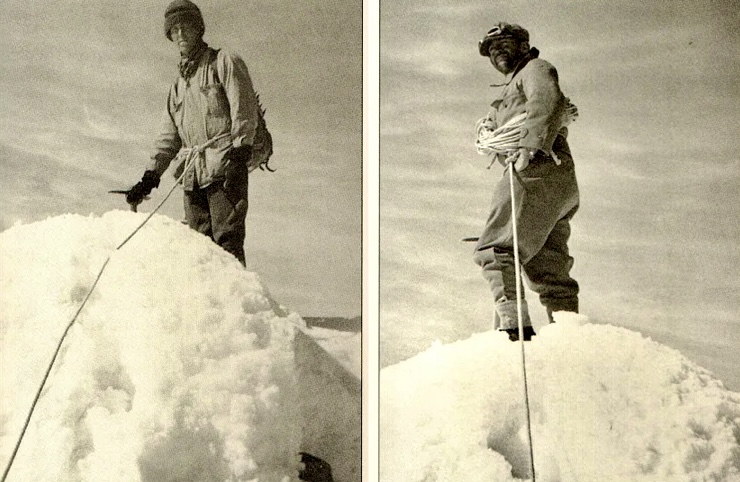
(546, 199)
(218, 99)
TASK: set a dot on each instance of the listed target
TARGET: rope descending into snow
(505, 139)
(188, 156)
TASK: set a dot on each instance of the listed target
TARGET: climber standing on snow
(212, 103)
(545, 189)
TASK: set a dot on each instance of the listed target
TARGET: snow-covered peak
(607, 404)
(178, 367)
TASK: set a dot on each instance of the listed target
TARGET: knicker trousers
(546, 200)
(220, 213)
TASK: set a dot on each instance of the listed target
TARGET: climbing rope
(504, 139)
(520, 318)
(188, 157)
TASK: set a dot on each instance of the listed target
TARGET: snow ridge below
(606, 404)
(177, 369)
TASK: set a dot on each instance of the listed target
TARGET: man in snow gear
(212, 103)
(546, 190)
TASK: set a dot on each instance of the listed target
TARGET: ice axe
(125, 192)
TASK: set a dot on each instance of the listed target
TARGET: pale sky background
(657, 156)
(82, 87)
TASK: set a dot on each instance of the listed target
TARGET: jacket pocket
(216, 106)
(507, 105)
(216, 102)
(513, 99)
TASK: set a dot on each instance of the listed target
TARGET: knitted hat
(501, 31)
(182, 10)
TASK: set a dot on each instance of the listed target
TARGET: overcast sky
(656, 151)
(83, 84)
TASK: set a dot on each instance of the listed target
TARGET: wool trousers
(546, 199)
(219, 212)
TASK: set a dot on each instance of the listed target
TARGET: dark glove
(239, 155)
(141, 189)
(236, 165)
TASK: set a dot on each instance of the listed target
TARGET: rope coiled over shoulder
(504, 139)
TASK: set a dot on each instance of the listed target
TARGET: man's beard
(506, 62)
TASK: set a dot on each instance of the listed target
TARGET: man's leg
(545, 194)
(197, 213)
(228, 209)
(495, 255)
(499, 270)
(548, 272)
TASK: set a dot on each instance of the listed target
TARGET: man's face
(505, 54)
(186, 35)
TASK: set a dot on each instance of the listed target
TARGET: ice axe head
(133, 206)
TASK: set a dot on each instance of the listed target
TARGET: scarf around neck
(189, 63)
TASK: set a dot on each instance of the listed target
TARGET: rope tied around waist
(187, 155)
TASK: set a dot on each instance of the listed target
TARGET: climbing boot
(514, 333)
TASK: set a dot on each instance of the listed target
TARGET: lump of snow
(178, 368)
(606, 404)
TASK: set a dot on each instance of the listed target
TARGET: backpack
(262, 144)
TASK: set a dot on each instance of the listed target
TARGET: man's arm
(241, 96)
(545, 106)
(167, 143)
(166, 146)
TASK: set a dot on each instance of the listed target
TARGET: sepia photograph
(369, 240)
(181, 240)
(558, 241)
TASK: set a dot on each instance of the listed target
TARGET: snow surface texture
(177, 369)
(606, 404)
